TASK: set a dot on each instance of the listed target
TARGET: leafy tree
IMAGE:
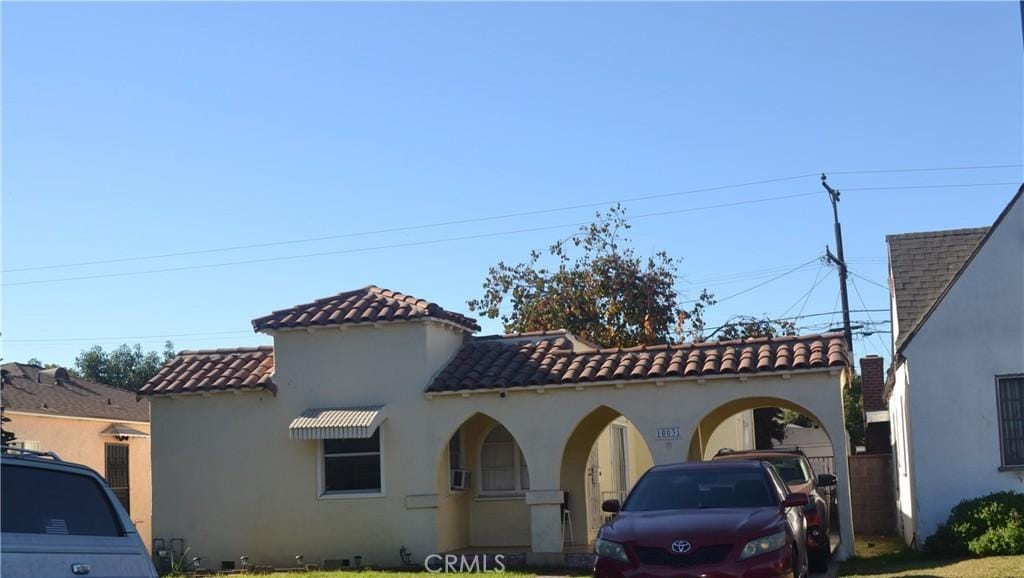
(127, 367)
(768, 427)
(596, 286)
(853, 412)
(791, 417)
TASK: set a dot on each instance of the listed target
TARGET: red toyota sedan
(705, 520)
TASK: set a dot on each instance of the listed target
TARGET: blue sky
(139, 129)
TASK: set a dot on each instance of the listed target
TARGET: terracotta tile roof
(215, 370)
(32, 389)
(546, 334)
(367, 305)
(494, 364)
(921, 266)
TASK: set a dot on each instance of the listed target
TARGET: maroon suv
(708, 520)
(796, 471)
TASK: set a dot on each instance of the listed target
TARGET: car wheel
(817, 559)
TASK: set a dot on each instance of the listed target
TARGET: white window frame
(1003, 466)
(321, 490)
(518, 491)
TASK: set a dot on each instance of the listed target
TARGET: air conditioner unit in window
(461, 479)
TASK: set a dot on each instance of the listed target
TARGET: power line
(814, 284)
(924, 170)
(943, 186)
(861, 298)
(411, 227)
(395, 245)
(795, 317)
(503, 216)
(875, 283)
(761, 284)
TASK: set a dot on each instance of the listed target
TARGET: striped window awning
(122, 431)
(337, 423)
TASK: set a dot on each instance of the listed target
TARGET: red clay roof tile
(367, 305)
(215, 370)
(498, 364)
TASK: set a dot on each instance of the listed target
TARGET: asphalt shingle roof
(921, 265)
(367, 305)
(54, 392)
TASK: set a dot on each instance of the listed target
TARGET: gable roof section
(244, 368)
(921, 266)
(956, 276)
(367, 305)
(499, 364)
(32, 389)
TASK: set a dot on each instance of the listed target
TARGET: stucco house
(89, 423)
(378, 430)
(956, 389)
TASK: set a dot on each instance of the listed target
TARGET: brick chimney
(872, 382)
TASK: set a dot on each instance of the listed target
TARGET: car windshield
(693, 489)
(793, 469)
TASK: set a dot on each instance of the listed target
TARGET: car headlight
(763, 545)
(610, 550)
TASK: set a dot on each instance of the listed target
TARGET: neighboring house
(956, 389)
(379, 430)
(88, 423)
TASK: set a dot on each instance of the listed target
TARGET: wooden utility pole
(840, 262)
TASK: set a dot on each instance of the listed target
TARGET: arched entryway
(726, 428)
(482, 476)
(603, 457)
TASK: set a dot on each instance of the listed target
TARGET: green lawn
(888, 558)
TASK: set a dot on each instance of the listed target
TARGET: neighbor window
(352, 466)
(1011, 419)
(502, 465)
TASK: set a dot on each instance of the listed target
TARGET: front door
(117, 473)
(594, 515)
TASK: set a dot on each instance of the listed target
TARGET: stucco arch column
(542, 449)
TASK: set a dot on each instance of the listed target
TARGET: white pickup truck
(61, 520)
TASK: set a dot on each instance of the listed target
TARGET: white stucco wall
(899, 422)
(229, 480)
(975, 334)
(736, 433)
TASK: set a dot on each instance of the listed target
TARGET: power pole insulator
(840, 262)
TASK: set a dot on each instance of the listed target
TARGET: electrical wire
(762, 284)
(509, 216)
(875, 283)
(806, 294)
(883, 348)
(413, 227)
(924, 170)
(395, 245)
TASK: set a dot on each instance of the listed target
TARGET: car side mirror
(611, 506)
(795, 500)
(826, 480)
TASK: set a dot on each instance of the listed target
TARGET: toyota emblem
(681, 546)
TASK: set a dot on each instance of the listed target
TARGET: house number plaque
(667, 433)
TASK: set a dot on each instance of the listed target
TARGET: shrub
(991, 525)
